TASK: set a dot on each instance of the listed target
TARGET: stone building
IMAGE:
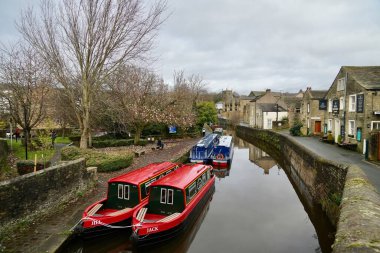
(268, 113)
(312, 114)
(353, 104)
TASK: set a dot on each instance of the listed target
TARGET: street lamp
(25, 133)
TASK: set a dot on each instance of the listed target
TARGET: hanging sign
(335, 106)
(360, 103)
(323, 104)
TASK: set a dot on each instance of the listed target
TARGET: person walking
(53, 137)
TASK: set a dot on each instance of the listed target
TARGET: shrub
(74, 138)
(104, 162)
(112, 163)
(69, 153)
(295, 130)
(111, 143)
(339, 139)
(330, 137)
(27, 166)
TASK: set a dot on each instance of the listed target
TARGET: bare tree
(84, 41)
(188, 88)
(26, 84)
(139, 97)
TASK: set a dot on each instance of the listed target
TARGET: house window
(308, 107)
(330, 105)
(298, 110)
(341, 84)
(329, 125)
(352, 103)
(351, 127)
(163, 196)
(341, 103)
(269, 124)
(375, 125)
(308, 123)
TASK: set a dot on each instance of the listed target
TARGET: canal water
(255, 208)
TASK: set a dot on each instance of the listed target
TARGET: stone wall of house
(33, 194)
(349, 200)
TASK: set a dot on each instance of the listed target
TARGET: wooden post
(35, 163)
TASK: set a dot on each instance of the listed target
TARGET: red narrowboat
(174, 203)
(125, 193)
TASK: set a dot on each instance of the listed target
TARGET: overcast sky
(244, 45)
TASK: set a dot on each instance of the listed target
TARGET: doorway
(317, 127)
(337, 129)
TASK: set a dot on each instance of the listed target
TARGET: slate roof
(271, 108)
(366, 76)
(296, 101)
(316, 94)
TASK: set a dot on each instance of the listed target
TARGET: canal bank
(344, 192)
(48, 234)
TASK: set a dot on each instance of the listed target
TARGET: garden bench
(139, 153)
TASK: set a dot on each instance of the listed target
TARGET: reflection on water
(254, 209)
(221, 173)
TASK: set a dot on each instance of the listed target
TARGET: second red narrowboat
(174, 202)
(125, 193)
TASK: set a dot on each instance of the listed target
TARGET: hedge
(102, 142)
(27, 166)
(104, 162)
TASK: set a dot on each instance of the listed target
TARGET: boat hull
(162, 236)
(221, 163)
(100, 231)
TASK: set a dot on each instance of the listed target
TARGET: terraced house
(353, 104)
(312, 113)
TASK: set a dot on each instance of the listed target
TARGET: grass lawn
(19, 151)
(63, 140)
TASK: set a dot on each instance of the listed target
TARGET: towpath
(334, 153)
(48, 234)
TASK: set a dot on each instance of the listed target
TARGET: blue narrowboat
(222, 153)
(202, 151)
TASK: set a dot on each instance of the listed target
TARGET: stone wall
(349, 200)
(35, 193)
(359, 221)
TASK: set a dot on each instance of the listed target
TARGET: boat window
(170, 196)
(192, 191)
(126, 192)
(163, 196)
(120, 191)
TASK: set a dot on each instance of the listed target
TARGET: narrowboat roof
(205, 141)
(225, 141)
(182, 177)
(140, 175)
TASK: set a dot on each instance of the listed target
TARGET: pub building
(353, 105)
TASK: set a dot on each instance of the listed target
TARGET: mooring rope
(98, 222)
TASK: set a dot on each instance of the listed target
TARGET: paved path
(334, 153)
(57, 153)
